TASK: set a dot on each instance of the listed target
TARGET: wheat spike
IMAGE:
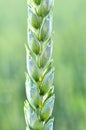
(39, 105)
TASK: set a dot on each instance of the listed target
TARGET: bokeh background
(69, 56)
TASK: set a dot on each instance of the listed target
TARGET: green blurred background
(69, 59)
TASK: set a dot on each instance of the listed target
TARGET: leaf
(46, 54)
(32, 92)
(32, 68)
(33, 42)
(48, 108)
(31, 117)
(49, 125)
(47, 81)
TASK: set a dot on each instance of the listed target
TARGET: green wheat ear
(40, 71)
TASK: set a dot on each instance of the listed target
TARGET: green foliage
(39, 79)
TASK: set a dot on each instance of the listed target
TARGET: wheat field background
(69, 54)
